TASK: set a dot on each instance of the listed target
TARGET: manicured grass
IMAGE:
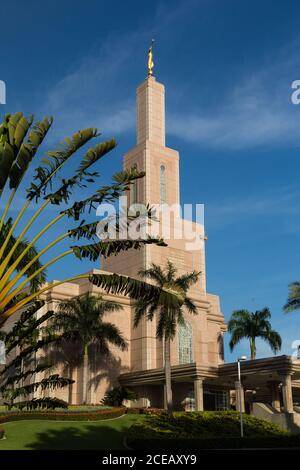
(44, 435)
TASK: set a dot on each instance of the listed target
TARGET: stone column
(275, 395)
(239, 392)
(198, 391)
(287, 394)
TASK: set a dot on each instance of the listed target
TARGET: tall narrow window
(185, 343)
(134, 189)
(163, 189)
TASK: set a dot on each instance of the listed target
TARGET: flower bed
(145, 411)
(62, 415)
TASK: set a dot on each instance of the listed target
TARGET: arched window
(185, 343)
(163, 189)
(134, 189)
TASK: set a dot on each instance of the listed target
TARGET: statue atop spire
(150, 59)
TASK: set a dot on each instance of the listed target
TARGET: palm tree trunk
(22, 371)
(168, 381)
(85, 374)
(253, 348)
(70, 392)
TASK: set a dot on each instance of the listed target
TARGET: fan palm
(244, 324)
(166, 299)
(293, 301)
(81, 319)
(20, 141)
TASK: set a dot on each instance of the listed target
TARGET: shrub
(201, 425)
(46, 403)
(2, 433)
(117, 395)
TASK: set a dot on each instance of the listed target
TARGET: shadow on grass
(72, 438)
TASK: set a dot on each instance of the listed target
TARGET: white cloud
(95, 92)
(90, 95)
(282, 203)
(255, 112)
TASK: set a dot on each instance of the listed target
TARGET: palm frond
(105, 194)
(111, 247)
(108, 332)
(55, 159)
(25, 331)
(236, 336)
(187, 280)
(15, 379)
(154, 273)
(52, 382)
(273, 339)
(95, 153)
(27, 149)
(293, 301)
(191, 307)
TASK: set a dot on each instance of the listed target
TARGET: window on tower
(163, 189)
(185, 343)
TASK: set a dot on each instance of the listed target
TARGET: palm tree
(293, 301)
(165, 299)
(20, 141)
(244, 324)
(81, 320)
(168, 317)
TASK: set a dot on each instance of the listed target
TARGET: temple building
(197, 358)
(198, 345)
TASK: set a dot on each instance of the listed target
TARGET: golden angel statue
(150, 59)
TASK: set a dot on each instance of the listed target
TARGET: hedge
(62, 415)
(212, 429)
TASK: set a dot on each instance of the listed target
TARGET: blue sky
(228, 68)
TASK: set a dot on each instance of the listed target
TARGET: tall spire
(151, 107)
(151, 112)
(150, 59)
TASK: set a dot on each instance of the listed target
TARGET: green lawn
(42, 435)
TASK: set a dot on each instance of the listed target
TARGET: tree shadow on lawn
(73, 438)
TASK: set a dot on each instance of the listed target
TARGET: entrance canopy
(266, 379)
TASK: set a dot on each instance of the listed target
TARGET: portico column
(287, 394)
(198, 391)
(240, 398)
(275, 395)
